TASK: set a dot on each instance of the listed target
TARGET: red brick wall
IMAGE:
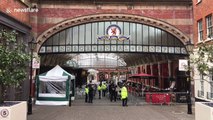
(10, 6)
(51, 13)
(201, 10)
(164, 70)
(155, 69)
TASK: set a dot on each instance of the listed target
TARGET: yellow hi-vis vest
(124, 93)
(86, 90)
(103, 87)
(99, 88)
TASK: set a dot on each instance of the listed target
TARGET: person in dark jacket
(86, 93)
(91, 93)
(113, 95)
(104, 88)
(110, 89)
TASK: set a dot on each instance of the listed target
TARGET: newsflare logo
(8, 10)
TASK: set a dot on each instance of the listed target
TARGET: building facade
(14, 16)
(167, 25)
(203, 33)
(54, 18)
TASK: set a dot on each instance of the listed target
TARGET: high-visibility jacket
(103, 87)
(124, 92)
(86, 90)
(99, 88)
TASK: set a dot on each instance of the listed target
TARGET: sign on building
(36, 61)
(183, 65)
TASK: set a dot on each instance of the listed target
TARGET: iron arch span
(121, 18)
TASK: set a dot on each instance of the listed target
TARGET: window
(209, 26)
(211, 92)
(200, 31)
(211, 82)
(202, 88)
(98, 60)
(202, 84)
(211, 75)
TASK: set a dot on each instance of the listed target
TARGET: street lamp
(189, 47)
(32, 45)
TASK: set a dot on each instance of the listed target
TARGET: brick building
(12, 18)
(175, 17)
(203, 33)
(51, 18)
(178, 14)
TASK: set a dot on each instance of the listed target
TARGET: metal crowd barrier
(167, 98)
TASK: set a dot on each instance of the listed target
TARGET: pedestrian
(113, 93)
(124, 95)
(91, 93)
(110, 89)
(99, 90)
(86, 93)
(94, 89)
(118, 92)
(104, 87)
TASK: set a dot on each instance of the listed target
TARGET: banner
(36, 61)
(183, 65)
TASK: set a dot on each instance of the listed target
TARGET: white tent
(92, 71)
(54, 87)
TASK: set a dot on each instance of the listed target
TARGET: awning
(142, 75)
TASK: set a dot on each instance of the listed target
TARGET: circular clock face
(113, 30)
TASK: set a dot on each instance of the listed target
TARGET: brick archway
(107, 17)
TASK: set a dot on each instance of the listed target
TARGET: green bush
(13, 61)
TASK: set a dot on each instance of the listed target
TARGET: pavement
(103, 109)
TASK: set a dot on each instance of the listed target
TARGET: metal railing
(161, 98)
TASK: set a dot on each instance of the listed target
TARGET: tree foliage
(13, 61)
(204, 58)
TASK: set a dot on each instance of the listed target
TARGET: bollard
(70, 101)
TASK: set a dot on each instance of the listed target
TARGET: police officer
(86, 93)
(124, 95)
(99, 90)
(91, 93)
